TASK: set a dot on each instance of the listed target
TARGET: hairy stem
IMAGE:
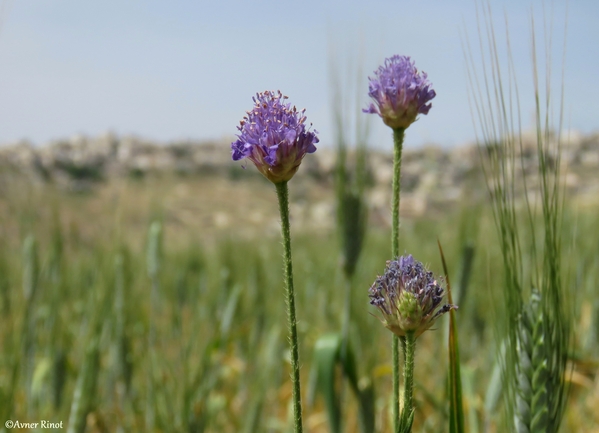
(398, 136)
(408, 405)
(283, 195)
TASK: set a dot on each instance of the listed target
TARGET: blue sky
(188, 69)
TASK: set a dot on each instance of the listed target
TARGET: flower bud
(408, 296)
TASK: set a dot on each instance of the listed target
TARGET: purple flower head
(408, 296)
(274, 137)
(400, 92)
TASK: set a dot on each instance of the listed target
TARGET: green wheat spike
(154, 253)
(526, 368)
(122, 363)
(30, 268)
(540, 399)
(594, 337)
(534, 397)
(352, 223)
(154, 249)
(4, 286)
(30, 287)
(524, 371)
(59, 377)
(85, 389)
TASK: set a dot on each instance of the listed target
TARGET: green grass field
(91, 338)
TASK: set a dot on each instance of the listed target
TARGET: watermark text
(41, 424)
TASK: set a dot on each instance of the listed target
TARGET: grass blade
(331, 351)
(456, 405)
(326, 354)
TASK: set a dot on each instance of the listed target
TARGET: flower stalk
(409, 298)
(407, 414)
(273, 135)
(398, 137)
(400, 93)
(283, 196)
(403, 422)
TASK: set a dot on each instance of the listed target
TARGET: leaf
(363, 390)
(330, 352)
(456, 406)
(326, 354)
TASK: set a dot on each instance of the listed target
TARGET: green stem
(398, 136)
(408, 405)
(283, 195)
(346, 315)
(395, 360)
(151, 397)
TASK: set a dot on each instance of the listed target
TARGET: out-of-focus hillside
(197, 184)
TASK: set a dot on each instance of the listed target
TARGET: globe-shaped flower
(400, 92)
(408, 296)
(274, 137)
